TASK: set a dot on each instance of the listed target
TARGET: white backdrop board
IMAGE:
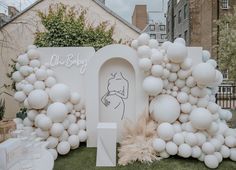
(109, 81)
(69, 64)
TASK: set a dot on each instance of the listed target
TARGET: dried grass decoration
(136, 144)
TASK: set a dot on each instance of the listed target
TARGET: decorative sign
(69, 63)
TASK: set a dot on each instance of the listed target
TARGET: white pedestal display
(106, 144)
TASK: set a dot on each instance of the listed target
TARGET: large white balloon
(159, 144)
(152, 85)
(57, 112)
(165, 108)
(38, 99)
(199, 74)
(200, 118)
(165, 131)
(177, 52)
(56, 129)
(60, 93)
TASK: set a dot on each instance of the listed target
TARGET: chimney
(12, 11)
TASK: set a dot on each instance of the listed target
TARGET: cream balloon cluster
(54, 112)
(182, 102)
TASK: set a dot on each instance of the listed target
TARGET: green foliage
(65, 27)
(2, 108)
(227, 44)
(22, 113)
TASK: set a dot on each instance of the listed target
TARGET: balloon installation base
(6, 127)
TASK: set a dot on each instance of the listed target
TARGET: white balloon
(82, 124)
(73, 129)
(199, 74)
(156, 57)
(41, 74)
(186, 64)
(177, 52)
(60, 93)
(52, 142)
(31, 78)
(191, 139)
(165, 131)
(27, 122)
(57, 112)
(233, 154)
(182, 97)
(64, 136)
(50, 81)
(38, 99)
(205, 55)
(196, 152)
(34, 63)
(208, 148)
(178, 138)
(82, 135)
(56, 129)
(134, 44)
(17, 76)
(145, 64)
(24, 70)
(200, 118)
(152, 85)
(63, 148)
(225, 151)
(159, 144)
(45, 123)
(144, 51)
(23, 59)
(39, 85)
(153, 43)
(162, 112)
(211, 161)
(20, 96)
(73, 141)
(180, 40)
(143, 39)
(230, 141)
(185, 150)
(33, 54)
(74, 98)
(42, 134)
(171, 148)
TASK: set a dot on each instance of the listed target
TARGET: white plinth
(106, 144)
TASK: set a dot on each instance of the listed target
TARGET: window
(168, 26)
(153, 36)
(180, 35)
(162, 27)
(163, 36)
(152, 27)
(186, 35)
(179, 16)
(185, 11)
(225, 74)
(225, 4)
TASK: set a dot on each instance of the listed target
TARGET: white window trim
(227, 6)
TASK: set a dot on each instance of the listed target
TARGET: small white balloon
(63, 148)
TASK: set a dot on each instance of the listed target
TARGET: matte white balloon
(161, 110)
(200, 118)
(177, 52)
(159, 144)
(63, 148)
(57, 112)
(152, 85)
(165, 131)
(38, 99)
(60, 93)
(56, 129)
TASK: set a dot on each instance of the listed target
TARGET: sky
(124, 8)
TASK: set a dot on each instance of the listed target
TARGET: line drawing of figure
(117, 92)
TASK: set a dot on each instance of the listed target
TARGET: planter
(6, 127)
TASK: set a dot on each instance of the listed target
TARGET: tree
(65, 27)
(227, 44)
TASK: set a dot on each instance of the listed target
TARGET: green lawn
(85, 159)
